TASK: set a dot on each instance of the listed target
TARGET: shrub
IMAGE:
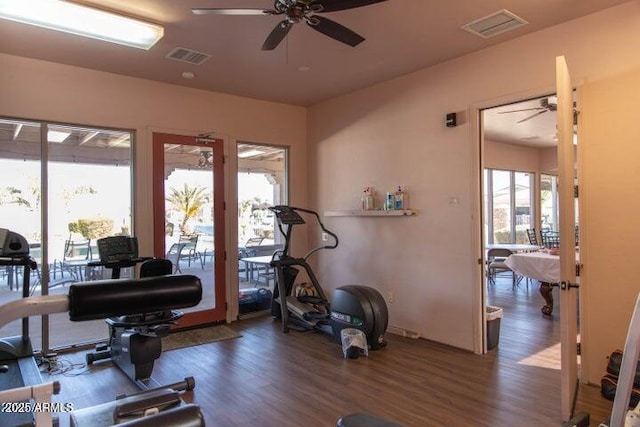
(92, 228)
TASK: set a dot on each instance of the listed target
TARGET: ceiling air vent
(187, 55)
(494, 24)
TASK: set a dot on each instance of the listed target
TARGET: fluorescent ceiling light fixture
(57, 136)
(250, 153)
(82, 21)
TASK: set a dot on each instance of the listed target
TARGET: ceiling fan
(296, 11)
(546, 104)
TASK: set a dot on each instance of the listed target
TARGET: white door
(568, 291)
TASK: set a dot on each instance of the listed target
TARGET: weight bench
(99, 300)
(151, 408)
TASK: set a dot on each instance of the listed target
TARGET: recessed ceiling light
(188, 74)
(82, 21)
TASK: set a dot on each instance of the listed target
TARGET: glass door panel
(80, 179)
(20, 211)
(89, 197)
(189, 209)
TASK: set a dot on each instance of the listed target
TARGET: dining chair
(532, 234)
(496, 265)
(551, 239)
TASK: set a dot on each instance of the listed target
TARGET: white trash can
(494, 314)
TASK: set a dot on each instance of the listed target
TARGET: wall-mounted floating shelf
(378, 213)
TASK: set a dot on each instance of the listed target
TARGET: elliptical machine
(353, 306)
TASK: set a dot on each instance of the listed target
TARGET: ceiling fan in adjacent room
(296, 11)
(546, 104)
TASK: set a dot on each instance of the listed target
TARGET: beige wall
(500, 155)
(609, 171)
(393, 133)
(46, 91)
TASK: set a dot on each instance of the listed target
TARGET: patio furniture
(174, 254)
(190, 251)
(77, 254)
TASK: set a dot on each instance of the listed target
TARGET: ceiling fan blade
(218, 11)
(336, 5)
(277, 35)
(524, 109)
(532, 116)
(334, 30)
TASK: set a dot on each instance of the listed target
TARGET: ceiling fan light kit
(296, 11)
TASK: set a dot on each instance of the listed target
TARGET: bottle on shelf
(401, 198)
(389, 202)
(398, 199)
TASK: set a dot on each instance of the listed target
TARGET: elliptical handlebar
(288, 215)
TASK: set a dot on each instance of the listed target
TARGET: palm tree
(189, 201)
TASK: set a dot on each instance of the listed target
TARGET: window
(509, 205)
(262, 182)
(549, 202)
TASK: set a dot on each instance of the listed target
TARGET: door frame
(477, 156)
(218, 313)
(568, 351)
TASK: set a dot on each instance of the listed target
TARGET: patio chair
(190, 252)
(245, 252)
(253, 241)
(243, 267)
(174, 254)
(76, 256)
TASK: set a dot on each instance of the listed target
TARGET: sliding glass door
(64, 187)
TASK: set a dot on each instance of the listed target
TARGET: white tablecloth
(540, 266)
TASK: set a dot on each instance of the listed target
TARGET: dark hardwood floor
(266, 378)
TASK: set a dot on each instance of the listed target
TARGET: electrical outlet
(325, 237)
(390, 297)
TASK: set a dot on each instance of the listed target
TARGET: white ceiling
(401, 36)
(524, 123)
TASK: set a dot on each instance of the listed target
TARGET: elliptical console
(353, 306)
